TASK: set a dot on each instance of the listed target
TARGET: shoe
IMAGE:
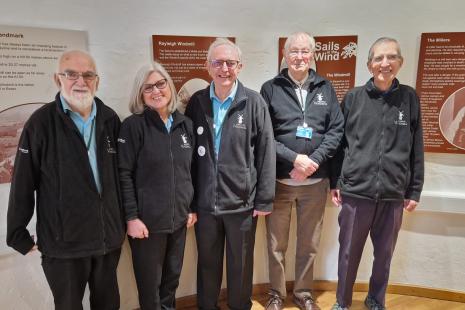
(336, 306)
(306, 303)
(372, 304)
(274, 303)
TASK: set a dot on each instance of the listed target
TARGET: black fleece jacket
(243, 176)
(322, 114)
(154, 167)
(73, 219)
(381, 156)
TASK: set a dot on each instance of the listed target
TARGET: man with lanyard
(66, 167)
(233, 175)
(308, 127)
(380, 171)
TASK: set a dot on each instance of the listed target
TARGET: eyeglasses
(148, 88)
(218, 63)
(73, 75)
(390, 58)
(295, 53)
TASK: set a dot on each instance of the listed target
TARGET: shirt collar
(231, 95)
(66, 108)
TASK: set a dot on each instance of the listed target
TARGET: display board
(335, 59)
(28, 60)
(441, 88)
(184, 58)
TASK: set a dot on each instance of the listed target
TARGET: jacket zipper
(380, 145)
(173, 183)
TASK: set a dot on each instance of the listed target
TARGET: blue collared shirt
(219, 112)
(169, 122)
(87, 130)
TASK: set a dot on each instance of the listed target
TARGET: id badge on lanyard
(304, 131)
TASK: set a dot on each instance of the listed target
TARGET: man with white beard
(66, 167)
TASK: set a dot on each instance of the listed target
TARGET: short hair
(72, 53)
(371, 52)
(223, 41)
(136, 101)
(298, 35)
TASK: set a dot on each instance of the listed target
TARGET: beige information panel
(184, 58)
(28, 59)
(441, 88)
(335, 59)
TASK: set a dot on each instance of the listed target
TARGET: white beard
(80, 102)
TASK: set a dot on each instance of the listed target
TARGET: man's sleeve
(417, 169)
(282, 152)
(128, 150)
(332, 137)
(23, 186)
(265, 162)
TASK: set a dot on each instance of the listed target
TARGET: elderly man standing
(308, 125)
(233, 176)
(66, 166)
(381, 171)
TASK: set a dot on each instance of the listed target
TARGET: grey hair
(72, 53)
(136, 101)
(297, 35)
(371, 52)
(223, 41)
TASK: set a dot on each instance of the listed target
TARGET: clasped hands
(303, 167)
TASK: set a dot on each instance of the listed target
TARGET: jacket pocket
(80, 221)
(233, 185)
(154, 209)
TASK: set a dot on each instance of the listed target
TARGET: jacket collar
(373, 90)
(153, 117)
(313, 77)
(103, 113)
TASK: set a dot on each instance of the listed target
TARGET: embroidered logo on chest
(110, 148)
(185, 143)
(320, 100)
(400, 121)
(240, 122)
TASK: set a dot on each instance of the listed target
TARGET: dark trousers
(358, 217)
(238, 230)
(68, 277)
(157, 262)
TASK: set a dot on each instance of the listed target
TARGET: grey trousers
(358, 217)
(310, 205)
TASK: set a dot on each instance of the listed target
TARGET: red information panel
(441, 87)
(184, 58)
(335, 60)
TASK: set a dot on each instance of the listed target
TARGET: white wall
(431, 246)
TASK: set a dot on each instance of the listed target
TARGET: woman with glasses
(155, 153)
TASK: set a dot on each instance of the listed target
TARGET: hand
(305, 165)
(297, 175)
(336, 197)
(260, 213)
(137, 229)
(191, 219)
(410, 205)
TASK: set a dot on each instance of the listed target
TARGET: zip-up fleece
(382, 149)
(73, 219)
(243, 177)
(322, 114)
(155, 169)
